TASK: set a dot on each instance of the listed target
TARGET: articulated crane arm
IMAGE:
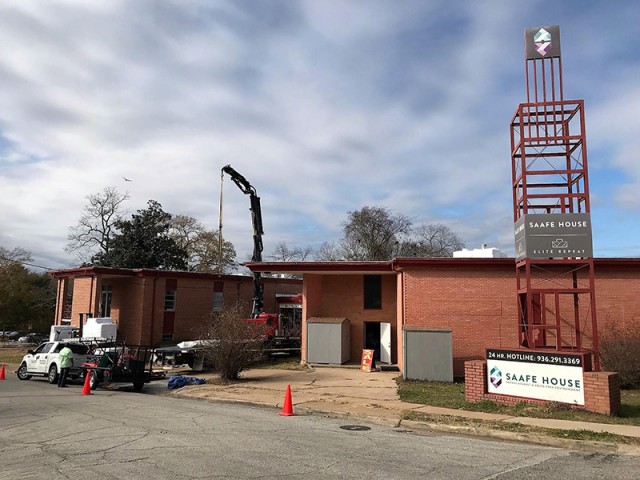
(256, 220)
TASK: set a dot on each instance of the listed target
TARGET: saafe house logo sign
(542, 42)
(556, 235)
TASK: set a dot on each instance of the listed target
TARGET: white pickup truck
(45, 361)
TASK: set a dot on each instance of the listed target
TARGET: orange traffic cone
(287, 410)
(2, 372)
(86, 390)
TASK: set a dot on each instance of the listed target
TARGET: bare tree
(372, 234)
(205, 254)
(10, 257)
(202, 246)
(377, 234)
(97, 225)
(436, 240)
(282, 253)
(184, 230)
(329, 252)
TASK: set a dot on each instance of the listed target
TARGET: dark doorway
(372, 338)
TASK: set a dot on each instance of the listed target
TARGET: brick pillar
(602, 392)
(475, 380)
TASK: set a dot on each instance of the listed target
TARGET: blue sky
(324, 106)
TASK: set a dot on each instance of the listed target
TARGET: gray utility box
(427, 353)
(328, 340)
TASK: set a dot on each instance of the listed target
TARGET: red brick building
(152, 306)
(474, 298)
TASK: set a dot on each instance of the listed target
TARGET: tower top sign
(542, 42)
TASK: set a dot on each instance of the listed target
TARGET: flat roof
(411, 263)
(148, 272)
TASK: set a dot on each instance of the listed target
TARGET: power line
(26, 263)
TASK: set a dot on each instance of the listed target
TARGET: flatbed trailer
(120, 363)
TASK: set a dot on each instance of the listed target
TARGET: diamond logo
(495, 377)
(542, 40)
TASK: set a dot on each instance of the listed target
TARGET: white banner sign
(543, 376)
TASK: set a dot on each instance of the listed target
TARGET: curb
(580, 445)
(428, 427)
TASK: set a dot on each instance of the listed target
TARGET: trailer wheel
(93, 380)
(53, 374)
(22, 372)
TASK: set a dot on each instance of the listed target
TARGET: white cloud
(324, 106)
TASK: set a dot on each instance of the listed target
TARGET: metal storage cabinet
(427, 353)
(328, 340)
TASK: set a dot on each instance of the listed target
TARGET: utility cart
(120, 363)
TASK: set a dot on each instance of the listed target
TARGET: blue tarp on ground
(179, 381)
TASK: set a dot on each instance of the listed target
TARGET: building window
(372, 292)
(218, 296)
(105, 301)
(218, 301)
(170, 301)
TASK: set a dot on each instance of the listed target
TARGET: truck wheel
(138, 385)
(22, 372)
(53, 374)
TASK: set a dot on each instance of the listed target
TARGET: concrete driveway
(346, 391)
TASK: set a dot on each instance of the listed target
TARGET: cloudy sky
(325, 106)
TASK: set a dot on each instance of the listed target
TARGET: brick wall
(480, 305)
(85, 298)
(194, 301)
(601, 390)
(137, 303)
(477, 304)
(342, 296)
(617, 298)
(127, 306)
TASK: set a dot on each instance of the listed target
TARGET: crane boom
(256, 221)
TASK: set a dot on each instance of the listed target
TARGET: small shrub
(231, 343)
(620, 352)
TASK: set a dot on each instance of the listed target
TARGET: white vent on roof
(483, 252)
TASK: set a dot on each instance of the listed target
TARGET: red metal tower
(554, 264)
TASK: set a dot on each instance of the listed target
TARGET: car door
(38, 361)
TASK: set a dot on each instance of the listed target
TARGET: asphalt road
(49, 433)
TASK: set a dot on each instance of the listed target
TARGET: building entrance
(377, 337)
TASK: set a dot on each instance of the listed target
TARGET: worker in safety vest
(66, 361)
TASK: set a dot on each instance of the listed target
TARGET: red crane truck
(281, 334)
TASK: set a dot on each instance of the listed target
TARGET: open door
(385, 343)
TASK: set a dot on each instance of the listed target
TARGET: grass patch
(451, 395)
(280, 363)
(13, 354)
(630, 400)
(519, 428)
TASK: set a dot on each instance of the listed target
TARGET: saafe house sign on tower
(553, 235)
(556, 326)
